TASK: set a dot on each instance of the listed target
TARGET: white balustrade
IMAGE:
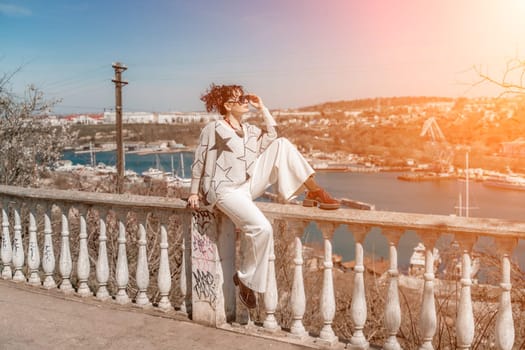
(428, 317)
(164, 276)
(48, 254)
(83, 264)
(271, 295)
(504, 333)
(392, 307)
(327, 305)
(6, 251)
(465, 315)
(18, 248)
(298, 297)
(142, 275)
(102, 266)
(122, 270)
(358, 312)
(33, 255)
(359, 222)
(65, 264)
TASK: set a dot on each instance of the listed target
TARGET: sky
(292, 53)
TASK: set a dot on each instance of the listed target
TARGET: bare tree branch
(511, 80)
(27, 144)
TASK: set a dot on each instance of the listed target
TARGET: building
(514, 148)
(160, 118)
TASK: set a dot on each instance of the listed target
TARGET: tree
(27, 143)
(512, 80)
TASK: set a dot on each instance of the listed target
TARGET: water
(136, 162)
(383, 190)
(427, 197)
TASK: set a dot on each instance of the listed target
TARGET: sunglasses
(241, 100)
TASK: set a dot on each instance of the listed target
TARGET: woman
(234, 164)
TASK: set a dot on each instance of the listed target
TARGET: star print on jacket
(225, 159)
(221, 177)
(221, 144)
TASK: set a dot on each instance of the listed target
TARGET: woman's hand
(255, 101)
(193, 201)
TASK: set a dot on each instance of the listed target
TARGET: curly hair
(216, 95)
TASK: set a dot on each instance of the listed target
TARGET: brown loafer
(321, 198)
(246, 295)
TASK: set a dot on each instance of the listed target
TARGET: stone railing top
(93, 198)
(407, 221)
(382, 219)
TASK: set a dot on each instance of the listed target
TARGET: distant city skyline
(292, 53)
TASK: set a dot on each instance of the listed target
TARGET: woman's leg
(283, 164)
(256, 240)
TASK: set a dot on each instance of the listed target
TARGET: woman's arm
(198, 166)
(270, 133)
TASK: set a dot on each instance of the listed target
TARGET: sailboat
(417, 260)
(176, 181)
(465, 210)
(154, 173)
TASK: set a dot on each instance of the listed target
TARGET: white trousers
(280, 163)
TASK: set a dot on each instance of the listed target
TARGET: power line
(75, 77)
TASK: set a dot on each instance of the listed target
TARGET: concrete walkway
(33, 318)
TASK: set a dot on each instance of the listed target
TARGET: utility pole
(119, 68)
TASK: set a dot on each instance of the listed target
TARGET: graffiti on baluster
(205, 286)
(48, 253)
(204, 222)
(202, 246)
(17, 245)
(202, 242)
(32, 249)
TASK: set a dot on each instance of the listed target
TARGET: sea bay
(382, 189)
(387, 193)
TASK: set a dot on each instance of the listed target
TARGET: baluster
(102, 266)
(327, 303)
(122, 271)
(298, 298)
(358, 308)
(271, 294)
(33, 255)
(392, 307)
(164, 274)
(48, 254)
(83, 264)
(18, 249)
(428, 317)
(465, 316)
(504, 321)
(142, 275)
(7, 250)
(65, 264)
(183, 287)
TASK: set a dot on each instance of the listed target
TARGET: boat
(430, 176)
(327, 167)
(153, 174)
(506, 182)
(104, 170)
(417, 260)
(177, 181)
(174, 180)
